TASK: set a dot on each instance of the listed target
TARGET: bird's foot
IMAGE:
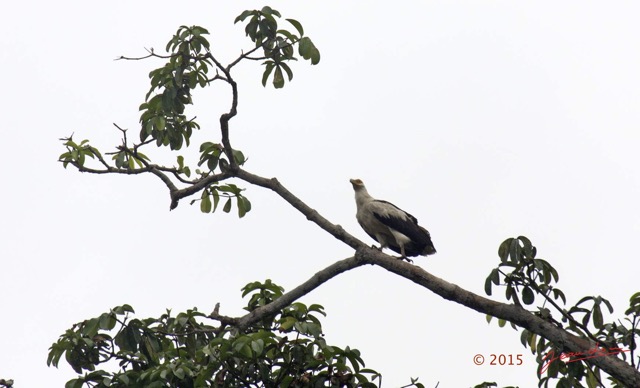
(405, 258)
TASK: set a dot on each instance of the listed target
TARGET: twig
(152, 54)
(243, 56)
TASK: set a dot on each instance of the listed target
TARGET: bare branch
(222, 318)
(243, 56)
(217, 77)
(226, 117)
(177, 195)
(110, 170)
(312, 215)
(151, 54)
(314, 282)
(256, 58)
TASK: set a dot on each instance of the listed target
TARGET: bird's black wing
(403, 222)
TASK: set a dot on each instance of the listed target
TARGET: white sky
(485, 120)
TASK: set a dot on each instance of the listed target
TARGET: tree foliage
(192, 349)
(279, 342)
(527, 279)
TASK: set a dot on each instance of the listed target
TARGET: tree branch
(563, 312)
(510, 312)
(226, 117)
(314, 282)
(366, 255)
(312, 215)
(177, 195)
(363, 254)
(243, 56)
(113, 170)
(151, 54)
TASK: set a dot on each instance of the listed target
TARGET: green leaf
(91, 327)
(241, 209)
(227, 206)
(121, 310)
(212, 163)
(267, 71)
(179, 373)
(160, 123)
(107, 321)
(308, 50)
(267, 10)
(119, 157)
(297, 26)
(243, 15)
(230, 188)
(593, 381)
(526, 245)
(278, 79)
(487, 285)
(75, 383)
(252, 28)
(207, 146)
(585, 299)
(528, 296)
(503, 250)
(238, 156)
(216, 199)
(128, 338)
(557, 293)
(597, 317)
(257, 347)
(205, 202)
(609, 306)
(514, 251)
(292, 38)
(288, 70)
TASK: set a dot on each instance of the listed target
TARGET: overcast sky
(486, 120)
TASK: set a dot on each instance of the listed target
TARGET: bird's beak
(356, 183)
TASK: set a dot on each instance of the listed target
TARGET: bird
(391, 226)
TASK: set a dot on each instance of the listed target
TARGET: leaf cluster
(163, 118)
(530, 279)
(77, 152)
(277, 44)
(192, 349)
(489, 385)
(529, 276)
(190, 64)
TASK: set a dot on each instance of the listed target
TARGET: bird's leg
(403, 256)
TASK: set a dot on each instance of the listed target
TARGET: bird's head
(357, 184)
